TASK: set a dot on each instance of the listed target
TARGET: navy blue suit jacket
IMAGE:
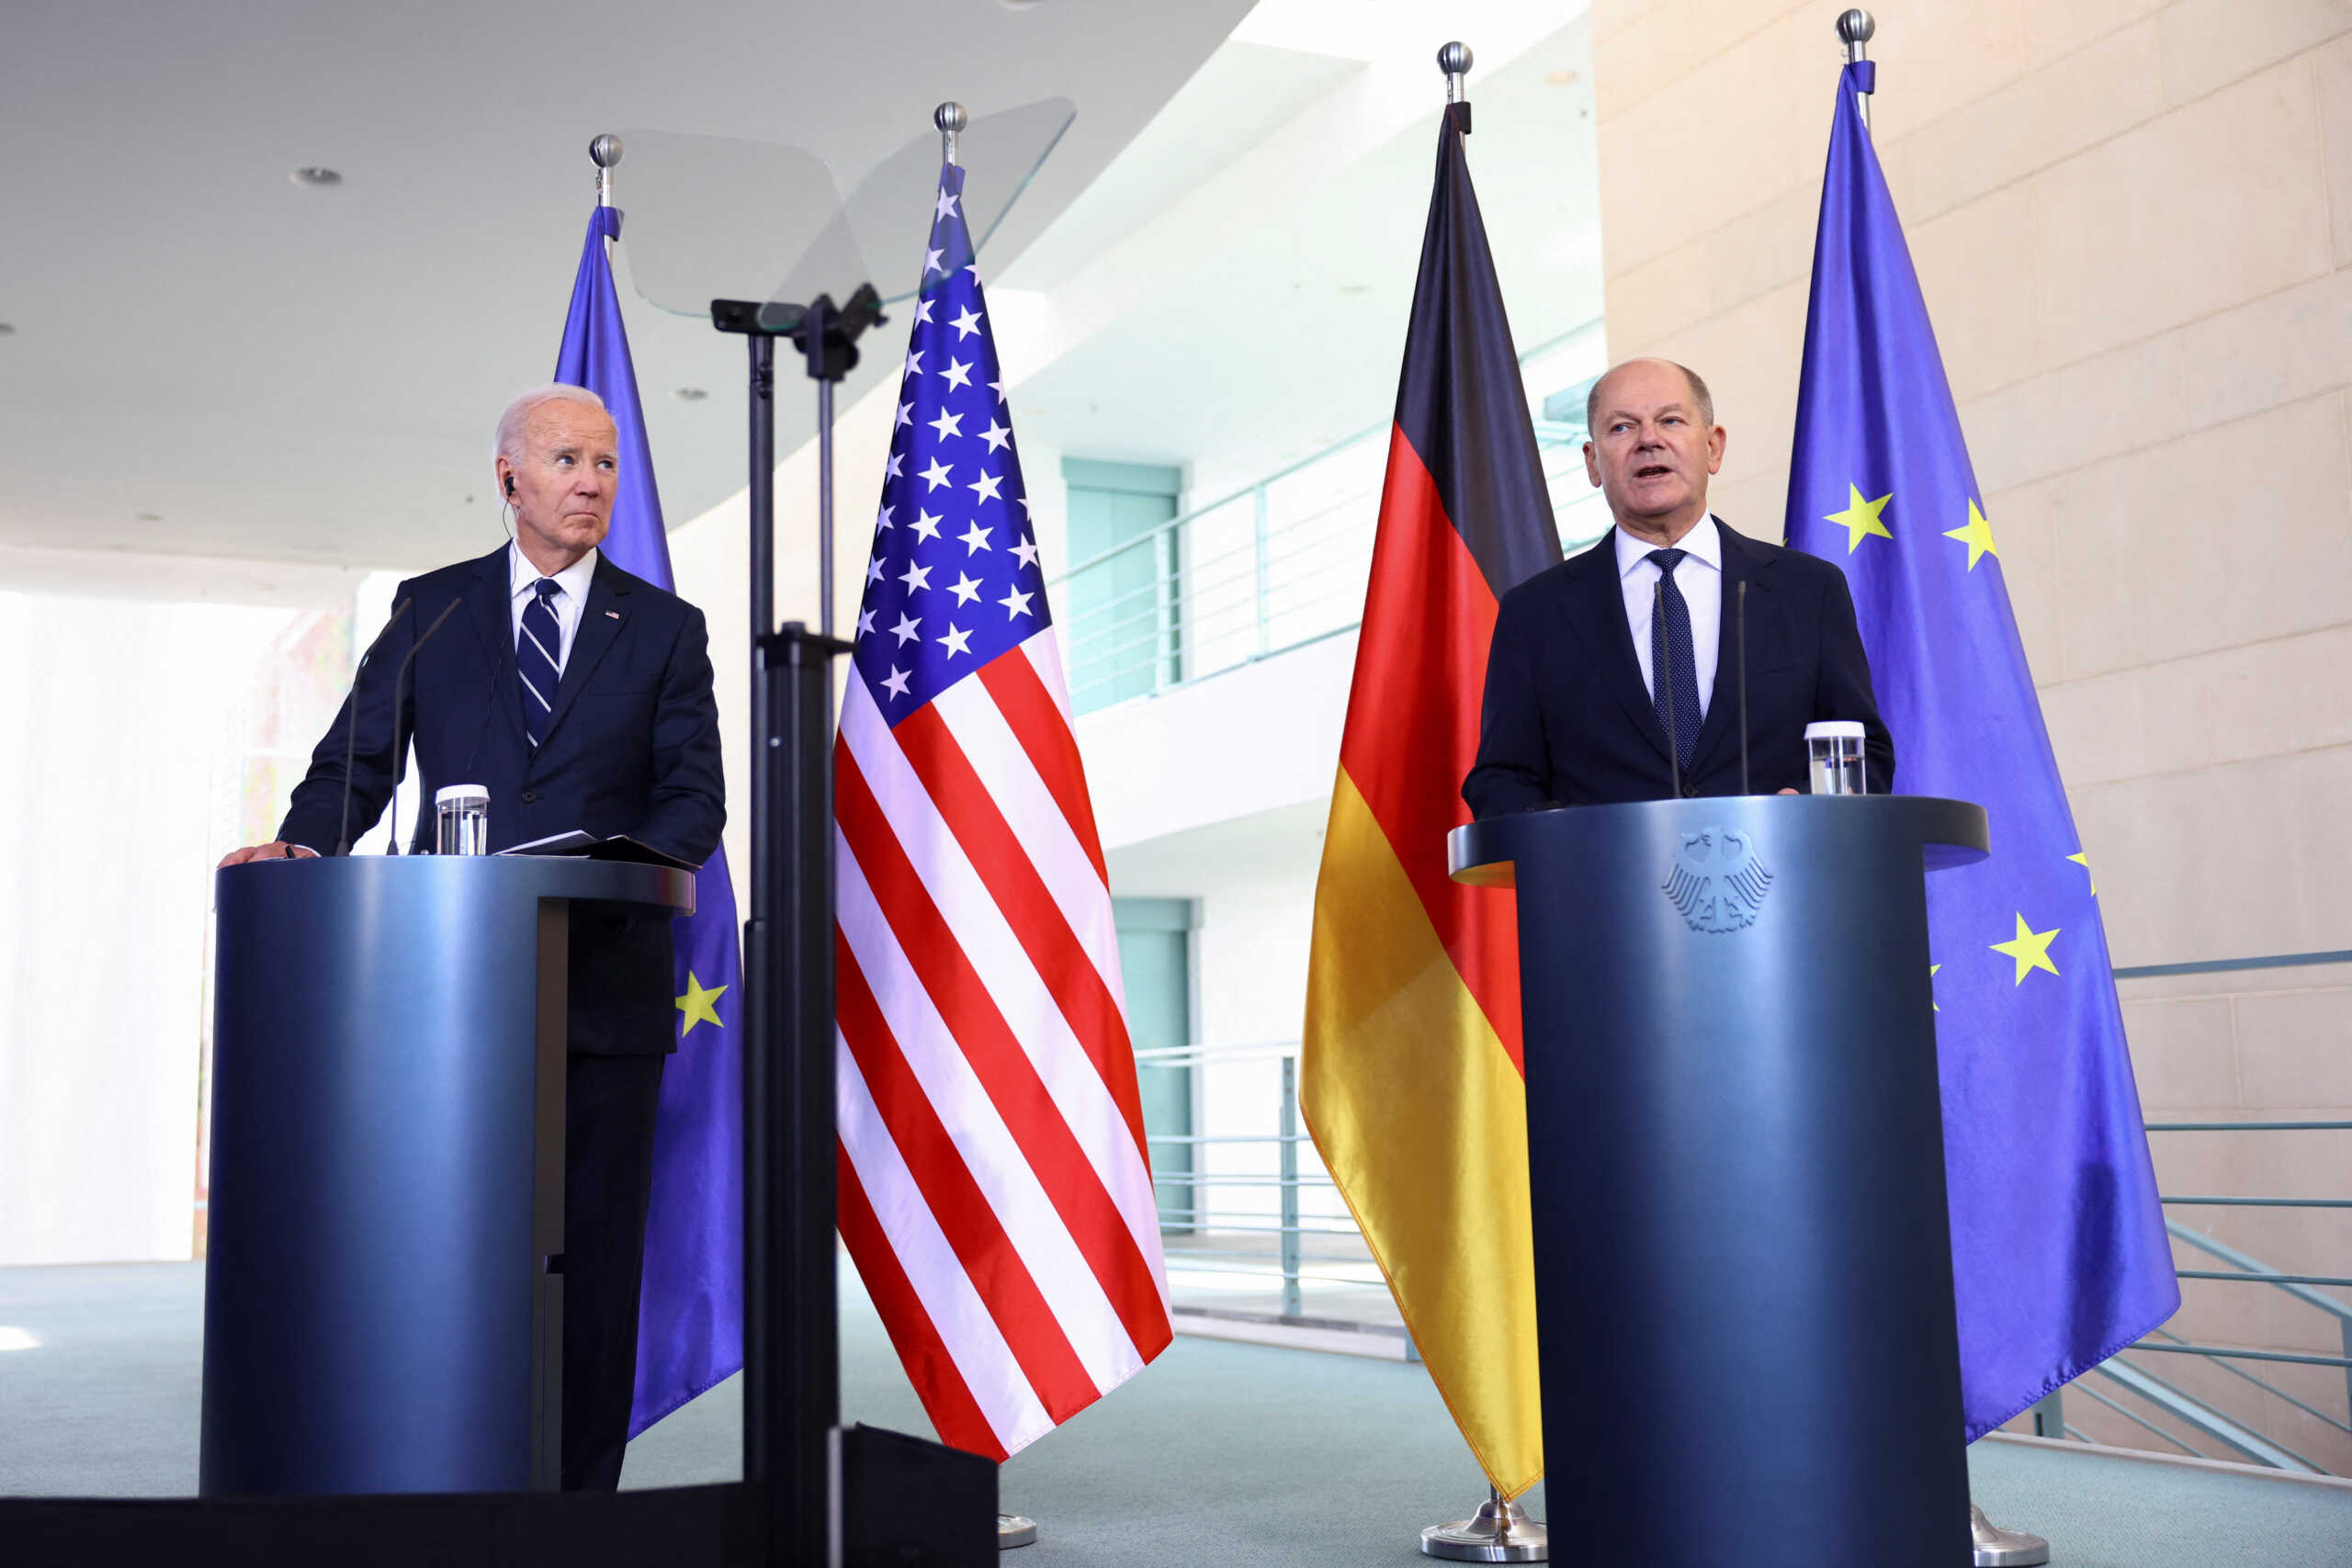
(1568, 722)
(632, 747)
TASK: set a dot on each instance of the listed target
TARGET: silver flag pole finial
(604, 152)
(1855, 29)
(1454, 58)
(950, 120)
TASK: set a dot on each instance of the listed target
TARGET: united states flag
(995, 1192)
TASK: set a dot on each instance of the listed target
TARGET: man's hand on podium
(274, 850)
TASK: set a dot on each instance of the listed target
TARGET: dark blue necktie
(1674, 667)
(535, 652)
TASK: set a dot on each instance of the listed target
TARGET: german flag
(1411, 1079)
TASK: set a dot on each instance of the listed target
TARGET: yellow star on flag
(1861, 517)
(2030, 948)
(1933, 969)
(1977, 535)
(2084, 860)
(698, 1004)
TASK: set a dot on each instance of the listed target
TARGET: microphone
(1662, 678)
(400, 762)
(1742, 618)
(350, 730)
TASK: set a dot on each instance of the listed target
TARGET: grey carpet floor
(1219, 1453)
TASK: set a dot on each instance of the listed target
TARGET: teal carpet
(1218, 1454)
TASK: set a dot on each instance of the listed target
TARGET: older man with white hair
(580, 696)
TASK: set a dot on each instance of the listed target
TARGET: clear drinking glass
(461, 814)
(1836, 750)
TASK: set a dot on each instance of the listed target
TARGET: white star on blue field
(953, 580)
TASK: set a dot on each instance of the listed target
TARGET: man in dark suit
(1616, 673)
(580, 696)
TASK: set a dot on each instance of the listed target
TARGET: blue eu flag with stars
(690, 1316)
(2059, 1252)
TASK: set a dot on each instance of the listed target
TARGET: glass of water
(461, 814)
(1836, 750)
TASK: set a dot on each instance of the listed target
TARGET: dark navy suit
(1568, 720)
(632, 747)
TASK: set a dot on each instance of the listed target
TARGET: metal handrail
(1194, 618)
(2164, 1400)
(1333, 450)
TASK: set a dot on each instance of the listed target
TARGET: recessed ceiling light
(315, 174)
(1020, 5)
(689, 394)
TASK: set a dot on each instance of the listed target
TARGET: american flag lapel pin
(613, 615)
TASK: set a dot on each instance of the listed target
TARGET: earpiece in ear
(510, 487)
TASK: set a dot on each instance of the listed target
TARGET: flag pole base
(1500, 1532)
(1997, 1548)
(1013, 1530)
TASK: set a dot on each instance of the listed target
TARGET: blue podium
(1743, 1258)
(383, 1300)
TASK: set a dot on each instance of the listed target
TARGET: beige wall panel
(2102, 407)
(2127, 724)
(2068, 105)
(2025, 522)
(2222, 862)
(1975, 276)
(1668, 168)
(2121, 249)
(2210, 43)
(2295, 1048)
(2196, 545)
(1749, 255)
(2181, 1055)
(2335, 66)
(2264, 700)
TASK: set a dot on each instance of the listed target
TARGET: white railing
(1271, 567)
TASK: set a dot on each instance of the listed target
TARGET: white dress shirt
(1700, 576)
(571, 598)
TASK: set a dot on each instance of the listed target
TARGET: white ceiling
(208, 359)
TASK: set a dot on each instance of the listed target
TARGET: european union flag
(2059, 1252)
(690, 1315)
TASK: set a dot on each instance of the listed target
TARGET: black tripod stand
(831, 1495)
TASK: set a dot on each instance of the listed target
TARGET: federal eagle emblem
(1716, 883)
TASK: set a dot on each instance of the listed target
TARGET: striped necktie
(535, 659)
(1674, 664)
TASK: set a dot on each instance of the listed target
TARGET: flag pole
(1855, 29)
(1990, 1545)
(1500, 1530)
(604, 152)
(1012, 1529)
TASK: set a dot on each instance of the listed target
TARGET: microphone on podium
(1741, 631)
(400, 761)
(351, 728)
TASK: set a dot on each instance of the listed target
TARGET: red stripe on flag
(954, 1414)
(1027, 904)
(1038, 723)
(1412, 729)
(1004, 1069)
(964, 1215)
